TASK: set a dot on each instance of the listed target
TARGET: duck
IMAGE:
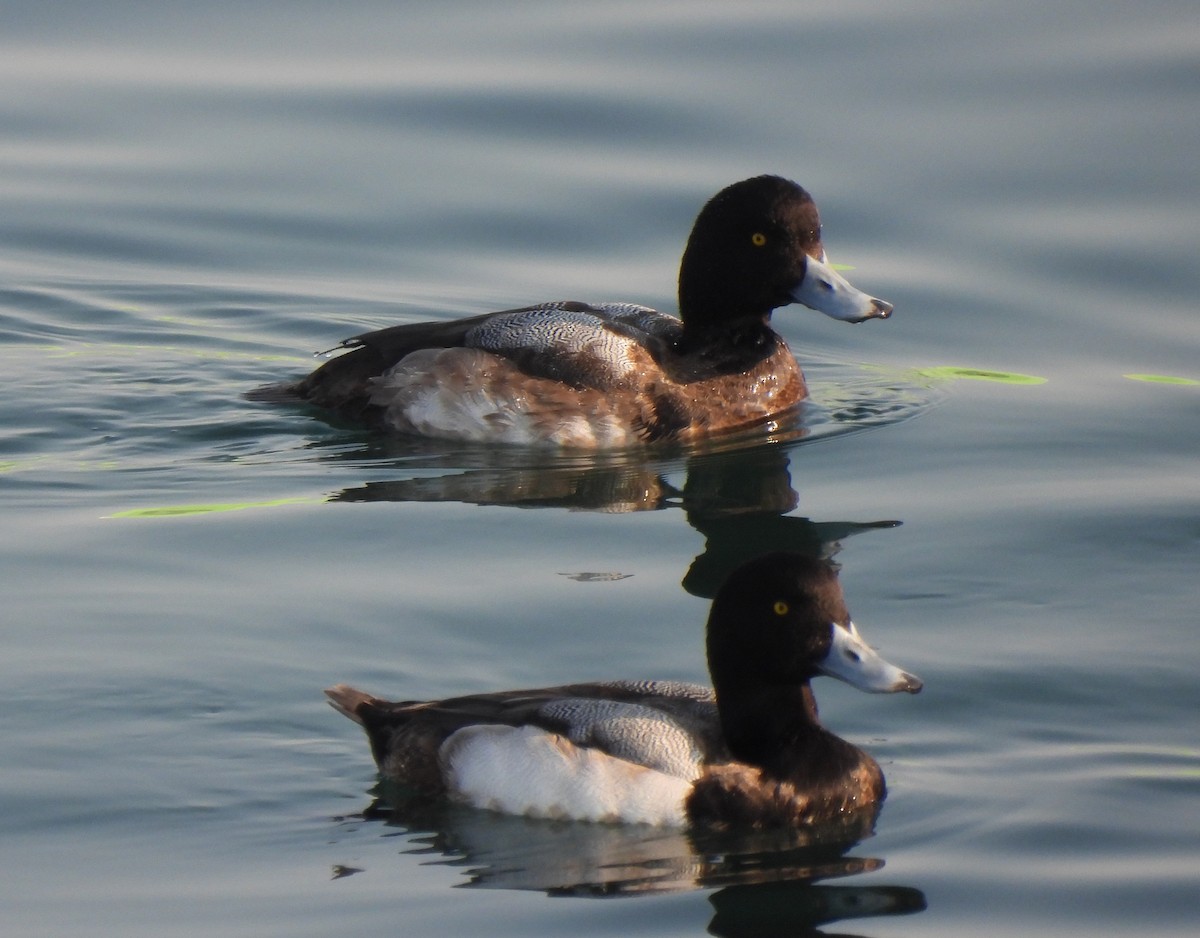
(572, 374)
(747, 752)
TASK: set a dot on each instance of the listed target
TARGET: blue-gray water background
(195, 197)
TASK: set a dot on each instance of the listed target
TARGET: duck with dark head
(748, 752)
(594, 375)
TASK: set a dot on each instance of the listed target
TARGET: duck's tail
(346, 700)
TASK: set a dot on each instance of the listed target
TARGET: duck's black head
(756, 246)
(776, 623)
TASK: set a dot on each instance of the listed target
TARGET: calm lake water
(195, 198)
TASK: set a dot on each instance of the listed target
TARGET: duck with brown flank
(586, 375)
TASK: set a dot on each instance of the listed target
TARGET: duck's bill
(828, 292)
(852, 660)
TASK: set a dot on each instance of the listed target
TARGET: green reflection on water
(1162, 379)
(170, 511)
(979, 374)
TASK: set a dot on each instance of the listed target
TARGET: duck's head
(781, 620)
(756, 246)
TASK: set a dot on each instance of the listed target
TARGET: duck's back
(612, 751)
(564, 373)
(604, 347)
(567, 374)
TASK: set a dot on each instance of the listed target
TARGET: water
(197, 198)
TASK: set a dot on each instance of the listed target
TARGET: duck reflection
(742, 506)
(797, 908)
(768, 881)
(740, 501)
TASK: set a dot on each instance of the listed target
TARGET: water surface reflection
(767, 882)
(739, 501)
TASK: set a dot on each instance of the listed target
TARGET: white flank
(527, 770)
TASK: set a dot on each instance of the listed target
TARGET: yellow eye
(758, 239)
(780, 607)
